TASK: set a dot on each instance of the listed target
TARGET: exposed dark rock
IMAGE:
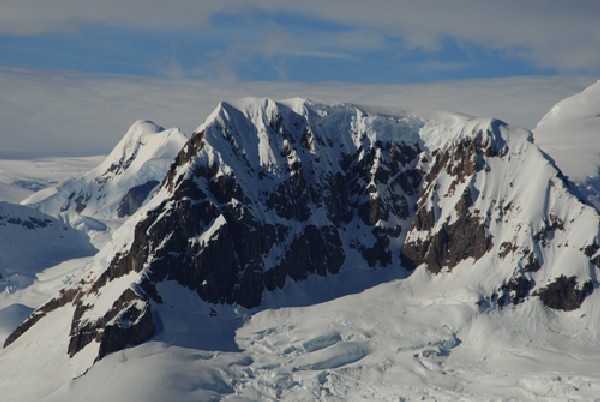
(335, 196)
(564, 293)
(128, 322)
(424, 219)
(515, 290)
(227, 268)
(551, 225)
(382, 176)
(591, 251)
(464, 238)
(134, 198)
(316, 250)
(380, 252)
(371, 211)
(291, 200)
(507, 248)
(531, 262)
(440, 160)
(66, 296)
(118, 168)
(189, 150)
(134, 326)
(81, 202)
(225, 188)
(409, 180)
(465, 160)
(29, 223)
(453, 243)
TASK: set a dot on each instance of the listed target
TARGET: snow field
(408, 339)
(20, 178)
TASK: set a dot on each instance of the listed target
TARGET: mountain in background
(570, 133)
(120, 184)
(382, 224)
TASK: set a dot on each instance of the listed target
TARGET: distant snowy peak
(122, 182)
(570, 133)
(144, 141)
(265, 194)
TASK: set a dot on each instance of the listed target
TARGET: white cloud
(58, 111)
(559, 34)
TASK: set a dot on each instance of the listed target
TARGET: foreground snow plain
(408, 338)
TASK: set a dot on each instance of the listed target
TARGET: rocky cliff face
(265, 194)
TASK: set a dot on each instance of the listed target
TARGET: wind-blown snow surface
(140, 159)
(20, 178)
(570, 133)
(31, 240)
(365, 333)
(412, 338)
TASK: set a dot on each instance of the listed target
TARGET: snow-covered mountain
(570, 133)
(120, 184)
(439, 228)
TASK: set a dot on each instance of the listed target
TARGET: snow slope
(570, 133)
(31, 240)
(139, 160)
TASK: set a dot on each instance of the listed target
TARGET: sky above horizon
(74, 74)
(380, 41)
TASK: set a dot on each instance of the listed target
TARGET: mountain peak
(121, 182)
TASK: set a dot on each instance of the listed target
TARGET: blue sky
(351, 41)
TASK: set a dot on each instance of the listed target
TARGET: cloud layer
(58, 112)
(556, 34)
